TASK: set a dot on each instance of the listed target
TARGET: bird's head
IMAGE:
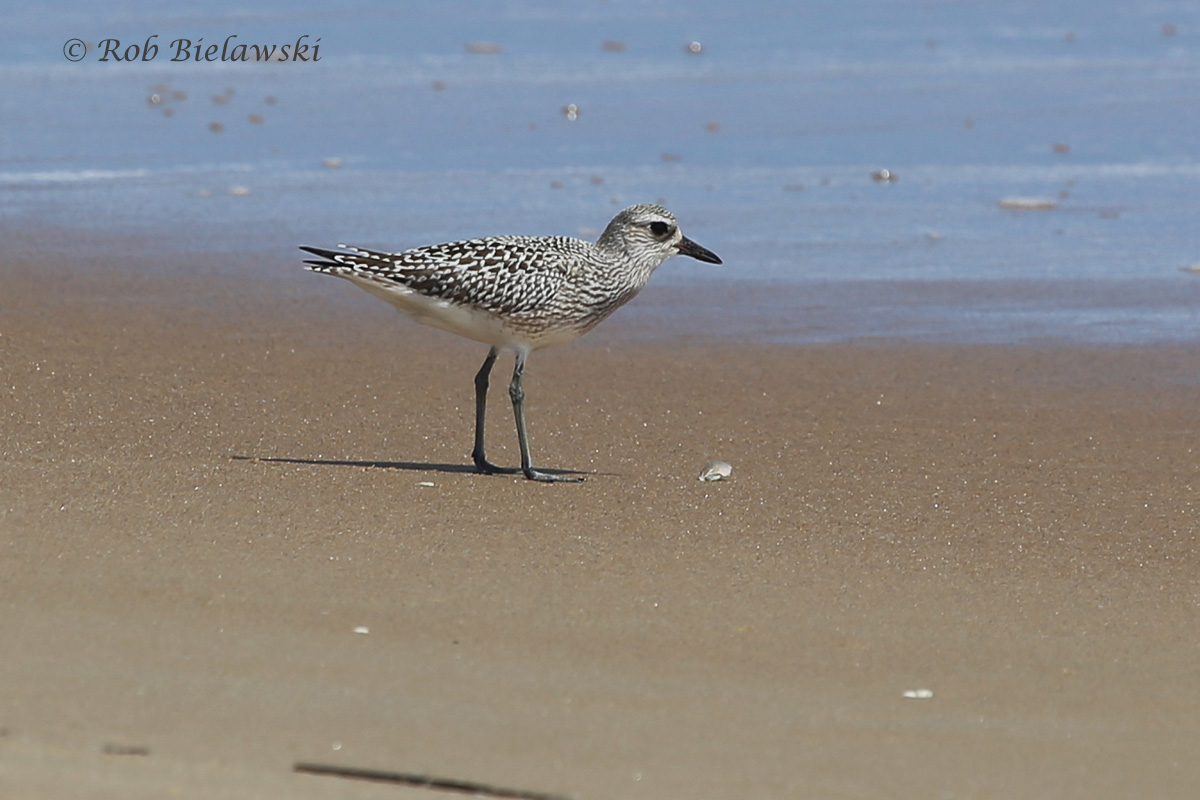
(649, 234)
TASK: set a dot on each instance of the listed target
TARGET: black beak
(689, 248)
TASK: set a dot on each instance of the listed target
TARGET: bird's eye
(660, 229)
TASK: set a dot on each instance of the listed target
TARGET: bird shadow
(412, 466)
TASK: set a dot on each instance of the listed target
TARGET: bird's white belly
(472, 323)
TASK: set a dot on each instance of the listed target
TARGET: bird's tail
(330, 259)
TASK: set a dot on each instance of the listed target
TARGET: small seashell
(362, 629)
(884, 176)
(694, 48)
(919, 694)
(716, 471)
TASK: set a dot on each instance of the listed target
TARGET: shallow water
(765, 144)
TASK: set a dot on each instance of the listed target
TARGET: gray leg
(517, 393)
(481, 390)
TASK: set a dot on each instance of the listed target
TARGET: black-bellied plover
(518, 292)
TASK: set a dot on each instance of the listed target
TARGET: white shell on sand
(716, 471)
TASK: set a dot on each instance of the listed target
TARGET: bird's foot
(488, 468)
(546, 477)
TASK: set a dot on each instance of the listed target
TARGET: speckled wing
(510, 276)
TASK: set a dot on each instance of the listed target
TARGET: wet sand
(208, 485)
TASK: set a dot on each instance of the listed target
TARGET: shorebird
(521, 293)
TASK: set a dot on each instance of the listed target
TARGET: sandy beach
(950, 355)
(210, 485)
